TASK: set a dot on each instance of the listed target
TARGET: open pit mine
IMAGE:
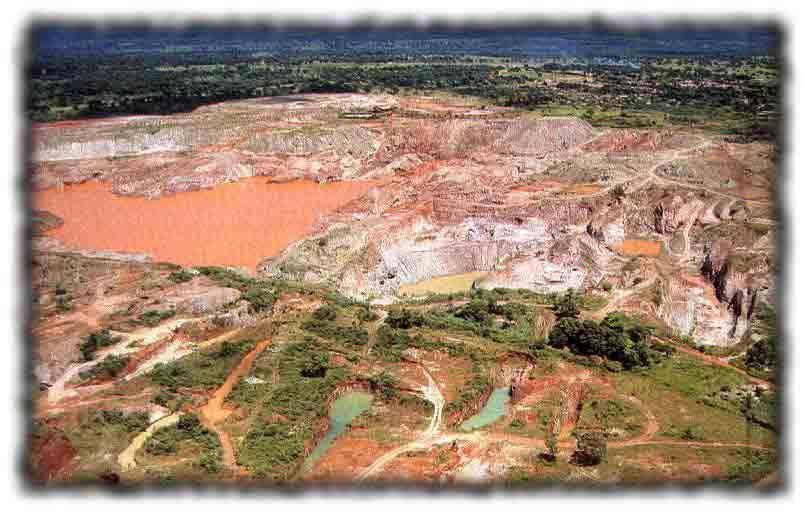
(359, 289)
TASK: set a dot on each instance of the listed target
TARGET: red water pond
(234, 224)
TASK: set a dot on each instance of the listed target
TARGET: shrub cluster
(110, 366)
(151, 318)
(96, 340)
(188, 428)
(617, 338)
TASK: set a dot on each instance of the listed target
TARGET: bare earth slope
(540, 203)
(674, 226)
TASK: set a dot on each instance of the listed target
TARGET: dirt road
(427, 438)
(213, 412)
(126, 458)
(712, 360)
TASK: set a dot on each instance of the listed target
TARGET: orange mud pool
(635, 247)
(233, 224)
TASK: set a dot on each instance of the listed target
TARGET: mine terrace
(414, 287)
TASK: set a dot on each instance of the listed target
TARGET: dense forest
(737, 95)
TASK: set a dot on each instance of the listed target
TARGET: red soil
(347, 457)
(53, 456)
(235, 224)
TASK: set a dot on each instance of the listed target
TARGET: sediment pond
(341, 413)
(491, 411)
(232, 224)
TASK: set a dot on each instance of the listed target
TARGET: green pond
(342, 411)
(492, 410)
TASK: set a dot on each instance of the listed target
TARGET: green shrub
(404, 319)
(472, 391)
(617, 338)
(325, 313)
(260, 297)
(366, 314)
(131, 422)
(384, 384)
(390, 343)
(187, 429)
(260, 294)
(96, 340)
(201, 369)
(151, 318)
(346, 334)
(590, 449)
(110, 366)
(567, 306)
(314, 365)
(181, 276)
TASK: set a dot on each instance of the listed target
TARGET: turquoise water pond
(492, 410)
(342, 411)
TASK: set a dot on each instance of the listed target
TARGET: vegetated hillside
(241, 390)
(733, 88)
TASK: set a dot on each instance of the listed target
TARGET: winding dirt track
(213, 412)
(427, 438)
(146, 336)
(712, 360)
(431, 437)
(126, 458)
(620, 296)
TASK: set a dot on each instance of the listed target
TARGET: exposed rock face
(528, 201)
(674, 211)
(304, 138)
(204, 300)
(733, 283)
(236, 317)
(691, 310)
(608, 226)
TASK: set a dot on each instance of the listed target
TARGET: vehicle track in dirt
(428, 437)
(61, 389)
(717, 361)
(126, 459)
(213, 412)
(620, 295)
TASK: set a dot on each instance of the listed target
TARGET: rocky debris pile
(719, 209)
(690, 310)
(542, 136)
(237, 316)
(608, 226)
(193, 299)
(674, 211)
(741, 169)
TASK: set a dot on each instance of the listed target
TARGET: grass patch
(201, 370)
